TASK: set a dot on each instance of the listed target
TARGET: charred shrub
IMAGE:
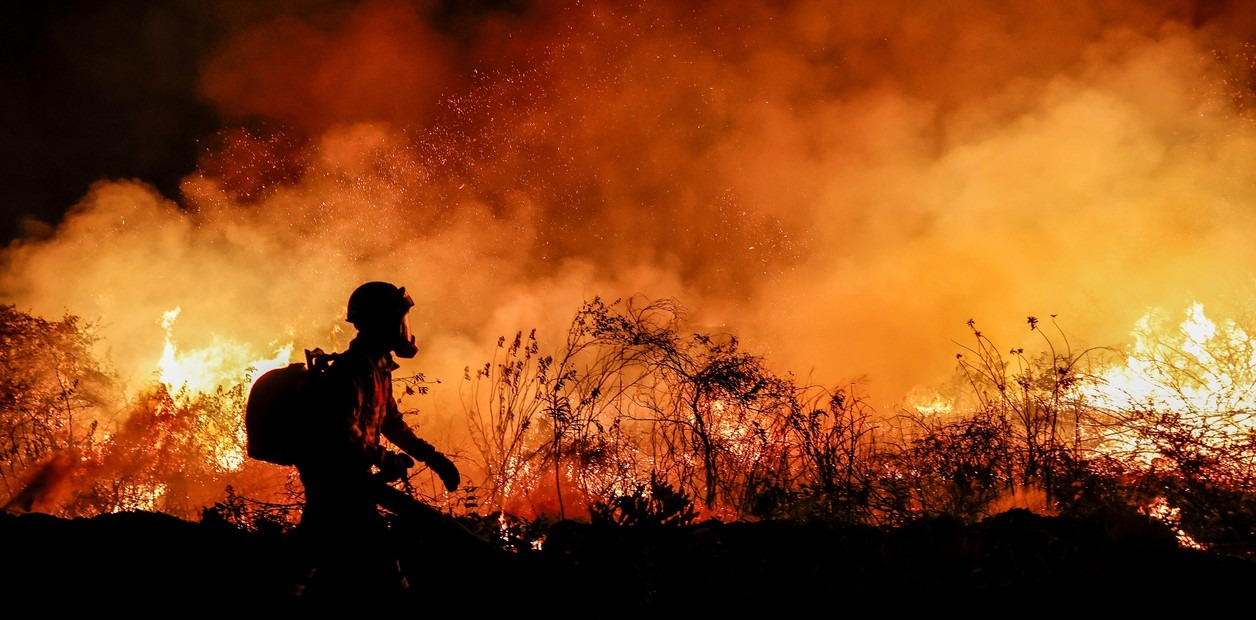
(250, 515)
(655, 504)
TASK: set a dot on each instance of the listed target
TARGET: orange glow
(1167, 514)
(222, 363)
(1202, 371)
(839, 184)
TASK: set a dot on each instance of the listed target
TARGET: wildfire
(182, 437)
(141, 497)
(930, 405)
(1160, 510)
(826, 209)
(1201, 367)
(203, 370)
(1203, 373)
(190, 374)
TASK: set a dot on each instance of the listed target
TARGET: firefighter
(346, 468)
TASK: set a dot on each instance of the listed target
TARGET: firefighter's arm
(395, 429)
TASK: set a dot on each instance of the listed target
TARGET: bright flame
(141, 497)
(223, 363)
(1161, 511)
(1203, 367)
(1202, 372)
(933, 405)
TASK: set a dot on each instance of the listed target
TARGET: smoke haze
(842, 185)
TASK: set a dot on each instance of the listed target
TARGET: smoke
(46, 486)
(842, 185)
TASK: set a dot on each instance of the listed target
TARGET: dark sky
(92, 91)
(108, 90)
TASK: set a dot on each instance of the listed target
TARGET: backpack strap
(317, 359)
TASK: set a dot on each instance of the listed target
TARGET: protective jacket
(359, 408)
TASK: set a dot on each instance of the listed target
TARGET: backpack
(277, 413)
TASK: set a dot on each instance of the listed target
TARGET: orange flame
(222, 363)
(1202, 371)
(201, 371)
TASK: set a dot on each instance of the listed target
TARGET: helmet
(381, 309)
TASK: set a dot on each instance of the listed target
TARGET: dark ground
(1016, 563)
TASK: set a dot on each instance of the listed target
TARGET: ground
(150, 563)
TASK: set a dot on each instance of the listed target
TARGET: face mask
(406, 347)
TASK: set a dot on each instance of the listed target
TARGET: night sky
(109, 90)
(97, 91)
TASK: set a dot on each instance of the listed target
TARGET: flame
(141, 497)
(1163, 512)
(930, 405)
(1195, 369)
(1202, 371)
(224, 362)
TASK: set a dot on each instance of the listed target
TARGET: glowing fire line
(1203, 372)
(188, 374)
(201, 371)
(1193, 371)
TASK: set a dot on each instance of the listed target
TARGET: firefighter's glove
(445, 469)
(393, 465)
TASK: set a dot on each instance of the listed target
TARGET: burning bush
(53, 393)
(627, 401)
(634, 420)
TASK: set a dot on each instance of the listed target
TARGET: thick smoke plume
(841, 184)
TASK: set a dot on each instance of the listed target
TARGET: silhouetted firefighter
(344, 467)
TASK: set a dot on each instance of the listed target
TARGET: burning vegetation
(634, 420)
